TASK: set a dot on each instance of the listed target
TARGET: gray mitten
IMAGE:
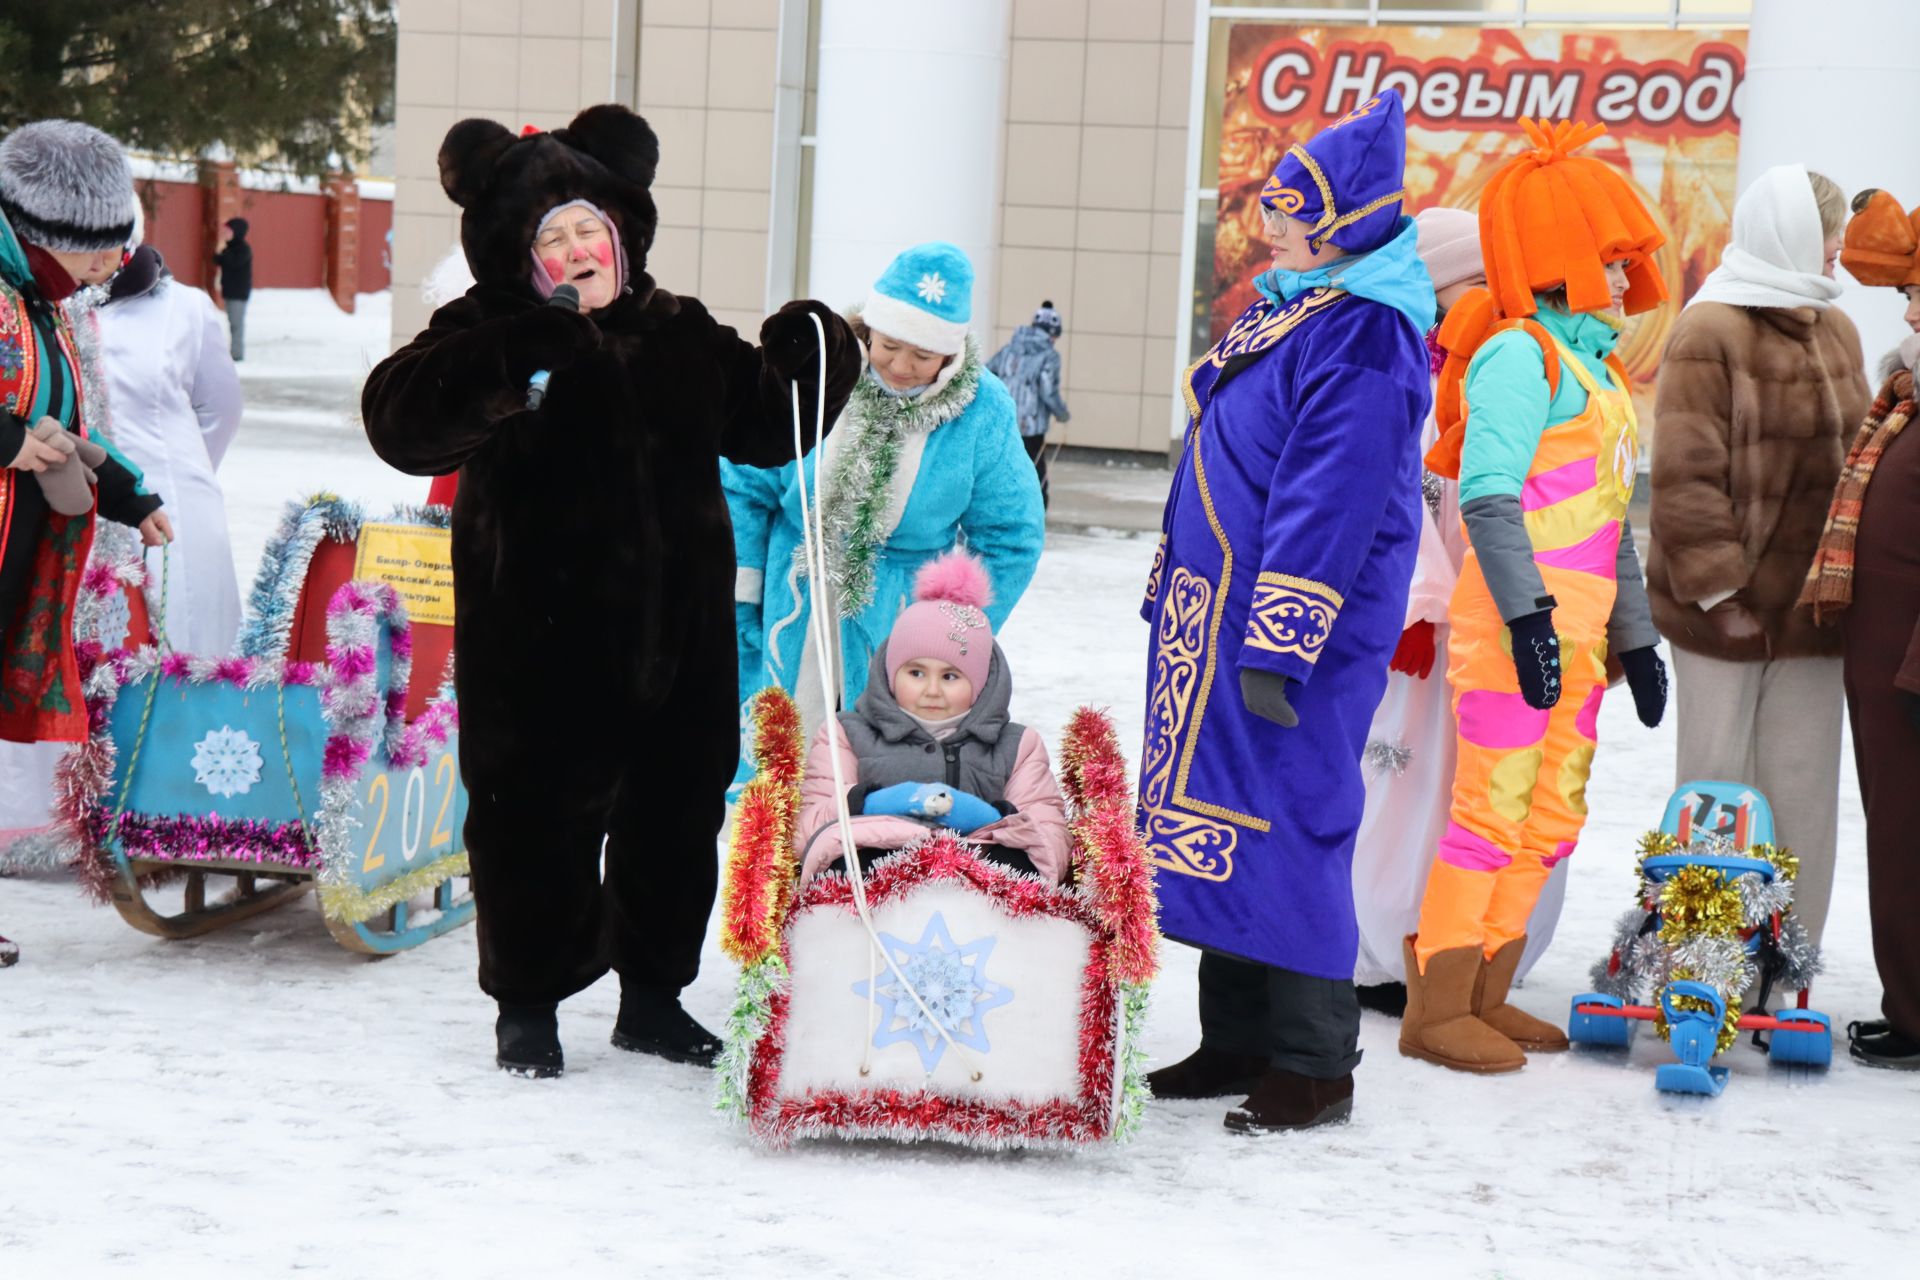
(68, 484)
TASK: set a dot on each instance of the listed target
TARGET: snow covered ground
(260, 1103)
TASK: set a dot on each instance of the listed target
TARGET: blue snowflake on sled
(951, 980)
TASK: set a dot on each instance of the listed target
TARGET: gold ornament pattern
(1183, 842)
(1291, 615)
(1159, 567)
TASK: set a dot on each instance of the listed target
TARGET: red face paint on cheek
(602, 253)
(556, 269)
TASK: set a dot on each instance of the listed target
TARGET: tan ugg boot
(1535, 1035)
(1439, 1026)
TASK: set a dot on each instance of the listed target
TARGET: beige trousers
(1774, 726)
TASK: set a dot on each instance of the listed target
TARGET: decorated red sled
(321, 753)
(985, 1006)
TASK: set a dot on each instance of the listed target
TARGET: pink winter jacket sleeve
(819, 842)
(1038, 828)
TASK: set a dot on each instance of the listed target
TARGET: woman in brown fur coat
(1760, 387)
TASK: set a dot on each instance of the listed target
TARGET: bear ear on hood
(622, 141)
(468, 156)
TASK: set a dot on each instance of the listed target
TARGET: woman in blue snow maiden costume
(927, 455)
(1276, 601)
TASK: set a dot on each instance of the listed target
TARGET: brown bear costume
(593, 576)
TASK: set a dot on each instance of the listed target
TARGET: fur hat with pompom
(947, 619)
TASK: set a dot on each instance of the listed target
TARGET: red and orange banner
(1669, 100)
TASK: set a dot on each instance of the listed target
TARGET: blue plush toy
(933, 802)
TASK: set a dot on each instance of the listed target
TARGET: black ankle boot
(1878, 1044)
(1283, 1101)
(527, 1041)
(1208, 1073)
(652, 1021)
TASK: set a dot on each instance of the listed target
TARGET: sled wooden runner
(252, 897)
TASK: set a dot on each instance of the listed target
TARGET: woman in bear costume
(593, 567)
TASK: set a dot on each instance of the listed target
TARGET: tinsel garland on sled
(358, 718)
(1697, 924)
(1112, 902)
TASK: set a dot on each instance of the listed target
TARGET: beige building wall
(519, 62)
(1096, 152)
(705, 81)
(1096, 146)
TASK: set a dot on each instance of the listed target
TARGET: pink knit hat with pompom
(947, 619)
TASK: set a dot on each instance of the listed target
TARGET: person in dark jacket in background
(1030, 367)
(235, 261)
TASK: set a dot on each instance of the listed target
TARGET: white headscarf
(1776, 254)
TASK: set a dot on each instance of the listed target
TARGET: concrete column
(1824, 82)
(911, 129)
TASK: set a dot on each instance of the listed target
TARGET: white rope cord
(813, 539)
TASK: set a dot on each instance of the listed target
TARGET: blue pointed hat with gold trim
(1348, 181)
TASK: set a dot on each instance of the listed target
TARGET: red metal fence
(335, 238)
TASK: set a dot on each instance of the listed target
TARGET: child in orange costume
(1538, 425)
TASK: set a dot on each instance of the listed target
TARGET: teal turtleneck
(1508, 401)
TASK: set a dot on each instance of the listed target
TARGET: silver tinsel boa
(1641, 963)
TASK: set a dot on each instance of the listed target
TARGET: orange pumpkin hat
(1883, 242)
(1550, 218)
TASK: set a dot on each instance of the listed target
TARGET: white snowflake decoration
(932, 288)
(116, 619)
(226, 762)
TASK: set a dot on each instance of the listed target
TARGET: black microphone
(567, 298)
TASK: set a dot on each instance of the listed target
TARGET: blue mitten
(901, 800)
(932, 802)
(964, 811)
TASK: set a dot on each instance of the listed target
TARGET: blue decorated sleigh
(945, 997)
(322, 753)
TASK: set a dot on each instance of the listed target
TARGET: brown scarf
(1829, 588)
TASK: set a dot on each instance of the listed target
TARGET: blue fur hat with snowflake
(925, 297)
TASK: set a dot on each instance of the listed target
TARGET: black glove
(549, 338)
(789, 345)
(1647, 678)
(1265, 694)
(1536, 658)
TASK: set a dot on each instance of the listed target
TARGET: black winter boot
(1283, 1101)
(1208, 1073)
(653, 1022)
(1877, 1044)
(1389, 998)
(9, 952)
(527, 1041)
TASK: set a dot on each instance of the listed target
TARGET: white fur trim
(909, 323)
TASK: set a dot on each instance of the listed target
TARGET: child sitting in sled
(929, 744)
